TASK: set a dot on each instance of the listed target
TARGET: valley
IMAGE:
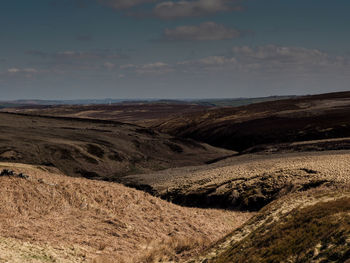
(220, 184)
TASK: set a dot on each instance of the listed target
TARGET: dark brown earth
(96, 149)
(138, 113)
(250, 128)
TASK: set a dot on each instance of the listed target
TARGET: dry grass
(104, 221)
(311, 226)
(330, 165)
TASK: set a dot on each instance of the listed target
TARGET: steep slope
(96, 149)
(313, 226)
(284, 121)
(48, 217)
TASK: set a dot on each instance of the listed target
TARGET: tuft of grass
(173, 249)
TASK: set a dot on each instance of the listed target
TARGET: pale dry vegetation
(328, 165)
(72, 219)
(311, 226)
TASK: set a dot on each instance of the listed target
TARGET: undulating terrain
(144, 114)
(268, 126)
(266, 182)
(49, 217)
(96, 149)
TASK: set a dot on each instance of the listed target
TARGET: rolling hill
(254, 127)
(46, 216)
(96, 149)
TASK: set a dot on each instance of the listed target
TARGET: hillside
(138, 113)
(144, 113)
(248, 182)
(313, 226)
(49, 217)
(96, 149)
(254, 127)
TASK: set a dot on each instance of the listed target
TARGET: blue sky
(79, 49)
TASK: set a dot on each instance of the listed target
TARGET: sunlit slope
(73, 219)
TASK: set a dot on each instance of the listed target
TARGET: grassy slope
(53, 217)
(248, 181)
(306, 227)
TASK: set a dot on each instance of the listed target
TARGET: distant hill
(220, 102)
(281, 121)
(144, 114)
(96, 149)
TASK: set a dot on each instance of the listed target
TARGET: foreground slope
(284, 121)
(49, 217)
(95, 149)
(313, 226)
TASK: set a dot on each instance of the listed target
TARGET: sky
(175, 49)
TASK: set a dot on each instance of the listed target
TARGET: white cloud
(24, 70)
(109, 65)
(210, 61)
(270, 59)
(186, 8)
(156, 68)
(204, 31)
(279, 58)
(13, 70)
(78, 55)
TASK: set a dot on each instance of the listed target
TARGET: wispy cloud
(156, 68)
(186, 8)
(271, 59)
(79, 55)
(202, 32)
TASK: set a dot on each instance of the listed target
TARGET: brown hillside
(283, 121)
(312, 226)
(95, 149)
(139, 113)
(49, 217)
(250, 181)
